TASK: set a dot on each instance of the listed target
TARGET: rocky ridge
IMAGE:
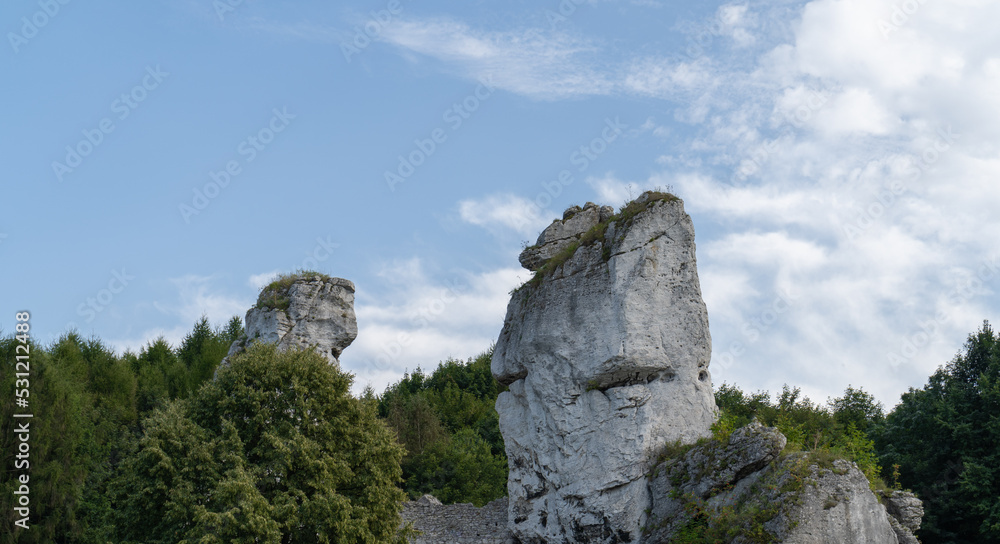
(303, 311)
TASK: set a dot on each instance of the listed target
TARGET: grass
(596, 234)
(275, 294)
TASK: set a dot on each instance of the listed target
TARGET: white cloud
(533, 62)
(798, 130)
(504, 211)
(257, 281)
(196, 296)
(613, 191)
(667, 78)
(846, 216)
(413, 320)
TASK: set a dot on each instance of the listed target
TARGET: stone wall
(457, 523)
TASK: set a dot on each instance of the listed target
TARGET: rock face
(606, 356)
(905, 514)
(302, 312)
(839, 507)
(560, 234)
(725, 492)
(704, 471)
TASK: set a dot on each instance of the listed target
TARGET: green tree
(835, 428)
(444, 420)
(459, 468)
(859, 408)
(946, 439)
(416, 424)
(202, 350)
(274, 450)
(159, 374)
(83, 398)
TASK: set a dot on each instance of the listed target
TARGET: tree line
(148, 447)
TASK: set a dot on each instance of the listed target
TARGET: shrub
(275, 450)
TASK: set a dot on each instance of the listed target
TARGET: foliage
(743, 520)
(945, 438)
(858, 408)
(275, 294)
(274, 450)
(834, 429)
(89, 404)
(458, 468)
(449, 427)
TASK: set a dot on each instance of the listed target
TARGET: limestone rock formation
(704, 471)
(905, 514)
(731, 491)
(303, 311)
(606, 355)
(560, 234)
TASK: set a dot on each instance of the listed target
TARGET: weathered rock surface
(560, 234)
(312, 312)
(607, 359)
(707, 470)
(839, 507)
(742, 488)
(457, 523)
(905, 514)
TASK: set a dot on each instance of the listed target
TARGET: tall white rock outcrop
(303, 311)
(606, 355)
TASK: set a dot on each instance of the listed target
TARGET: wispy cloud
(838, 179)
(538, 63)
(504, 211)
(415, 320)
(194, 296)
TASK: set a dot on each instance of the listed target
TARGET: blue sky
(839, 160)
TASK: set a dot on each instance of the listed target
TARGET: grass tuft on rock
(275, 294)
(596, 234)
